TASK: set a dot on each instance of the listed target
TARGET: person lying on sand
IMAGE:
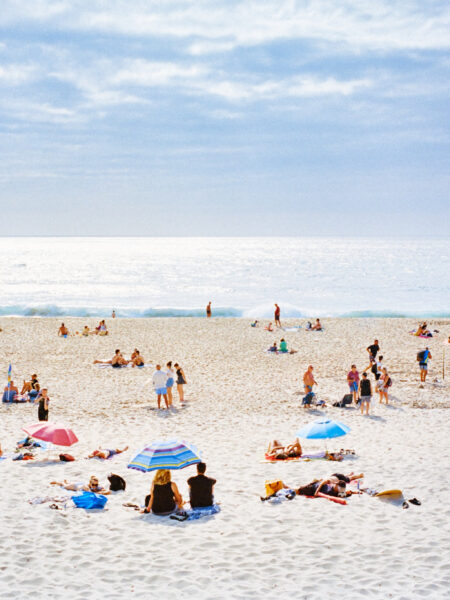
(281, 452)
(335, 486)
(117, 360)
(92, 486)
(105, 453)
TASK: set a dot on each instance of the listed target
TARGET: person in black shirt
(373, 350)
(201, 488)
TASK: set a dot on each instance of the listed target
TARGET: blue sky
(224, 118)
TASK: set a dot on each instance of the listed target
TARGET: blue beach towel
(89, 500)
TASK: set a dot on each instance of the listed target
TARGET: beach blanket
(295, 328)
(277, 353)
(281, 496)
(303, 457)
(197, 513)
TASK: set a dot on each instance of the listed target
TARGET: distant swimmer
(277, 315)
(208, 309)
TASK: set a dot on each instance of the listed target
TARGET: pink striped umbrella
(52, 432)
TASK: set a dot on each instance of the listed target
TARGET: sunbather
(63, 331)
(92, 486)
(10, 393)
(104, 454)
(117, 360)
(136, 359)
(279, 451)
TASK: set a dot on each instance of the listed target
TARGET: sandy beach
(239, 398)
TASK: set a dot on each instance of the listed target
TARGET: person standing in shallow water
(43, 405)
(208, 310)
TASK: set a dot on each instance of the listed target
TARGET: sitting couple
(279, 452)
(165, 499)
(119, 361)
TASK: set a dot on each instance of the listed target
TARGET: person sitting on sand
(92, 486)
(201, 488)
(422, 330)
(86, 331)
(273, 348)
(63, 331)
(269, 327)
(164, 497)
(136, 359)
(254, 324)
(101, 329)
(117, 360)
(105, 454)
(317, 326)
(10, 393)
(31, 387)
(284, 348)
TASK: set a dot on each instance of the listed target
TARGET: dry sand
(238, 399)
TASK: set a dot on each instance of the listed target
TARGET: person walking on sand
(159, 380)
(424, 357)
(373, 350)
(353, 383)
(43, 405)
(308, 380)
(365, 392)
(208, 310)
(277, 314)
(181, 381)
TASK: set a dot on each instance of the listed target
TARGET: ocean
(243, 277)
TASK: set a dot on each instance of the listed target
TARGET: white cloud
(16, 74)
(151, 73)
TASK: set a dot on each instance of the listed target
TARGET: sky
(263, 117)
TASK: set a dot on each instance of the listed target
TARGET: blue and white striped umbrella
(165, 454)
(323, 429)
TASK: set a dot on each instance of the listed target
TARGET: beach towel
(296, 328)
(197, 513)
(317, 455)
(331, 498)
(281, 496)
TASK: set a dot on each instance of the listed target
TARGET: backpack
(116, 483)
(272, 487)
(374, 369)
(389, 382)
(421, 355)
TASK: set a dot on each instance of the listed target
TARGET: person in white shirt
(159, 380)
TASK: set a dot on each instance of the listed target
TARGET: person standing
(159, 380)
(373, 350)
(113, 314)
(353, 383)
(181, 381)
(386, 383)
(208, 310)
(43, 405)
(201, 488)
(365, 391)
(170, 381)
(424, 357)
(308, 380)
(277, 314)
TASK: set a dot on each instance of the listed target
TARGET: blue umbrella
(323, 429)
(165, 454)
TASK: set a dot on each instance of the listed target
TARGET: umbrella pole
(443, 364)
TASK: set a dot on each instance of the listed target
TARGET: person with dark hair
(117, 360)
(201, 488)
(425, 356)
(63, 331)
(353, 383)
(365, 392)
(276, 315)
(116, 483)
(373, 350)
(208, 309)
(43, 406)
(105, 453)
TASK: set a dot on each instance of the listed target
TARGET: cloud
(17, 74)
(217, 26)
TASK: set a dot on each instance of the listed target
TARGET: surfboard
(390, 493)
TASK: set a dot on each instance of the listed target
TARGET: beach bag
(89, 500)
(116, 483)
(374, 369)
(66, 457)
(421, 355)
(272, 487)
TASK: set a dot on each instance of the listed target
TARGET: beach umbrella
(60, 435)
(9, 375)
(323, 429)
(165, 454)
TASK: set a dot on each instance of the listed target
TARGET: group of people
(163, 381)
(334, 486)
(164, 498)
(101, 329)
(31, 392)
(118, 360)
(281, 349)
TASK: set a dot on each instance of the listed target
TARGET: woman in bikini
(181, 381)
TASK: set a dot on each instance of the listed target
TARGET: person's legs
(159, 400)
(166, 401)
(180, 392)
(169, 395)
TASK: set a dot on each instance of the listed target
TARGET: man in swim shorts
(331, 487)
(353, 383)
(423, 364)
(308, 380)
(159, 380)
(208, 309)
(277, 315)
